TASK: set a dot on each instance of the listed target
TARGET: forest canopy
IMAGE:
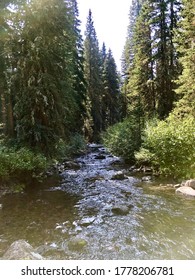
(58, 88)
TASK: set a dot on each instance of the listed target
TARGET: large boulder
(190, 183)
(21, 250)
(186, 191)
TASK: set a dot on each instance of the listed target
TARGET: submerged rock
(186, 191)
(119, 176)
(87, 221)
(146, 178)
(71, 165)
(100, 156)
(121, 209)
(77, 244)
(21, 250)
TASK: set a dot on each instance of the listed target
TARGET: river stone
(71, 165)
(21, 250)
(116, 162)
(119, 176)
(95, 178)
(190, 183)
(177, 186)
(121, 209)
(146, 178)
(100, 157)
(77, 244)
(186, 191)
(87, 221)
(147, 170)
(128, 240)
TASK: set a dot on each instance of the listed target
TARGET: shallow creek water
(155, 223)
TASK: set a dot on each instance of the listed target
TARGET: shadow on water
(100, 211)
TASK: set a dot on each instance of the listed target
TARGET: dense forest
(158, 70)
(59, 91)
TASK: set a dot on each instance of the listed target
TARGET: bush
(144, 156)
(16, 163)
(171, 144)
(75, 145)
(123, 139)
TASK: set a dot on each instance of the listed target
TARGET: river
(90, 213)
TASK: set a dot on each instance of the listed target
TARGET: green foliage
(150, 59)
(144, 156)
(42, 83)
(75, 145)
(123, 139)
(171, 144)
(20, 163)
(92, 70)
(184, 37)
(17, 188)
(110, 98)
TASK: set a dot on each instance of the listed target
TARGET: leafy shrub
(144, 156)
(75, 145)
(171, 142)
(123, 139)
(14, 163)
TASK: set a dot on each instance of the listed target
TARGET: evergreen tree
(79, 83)
(110, 101)
(8, 65)
(141, 92)
(93, 121)
(164, 20)
(103, 54)
(129, 53)
(40, 53)
(185, 38)
(153, 60)
(2, 68)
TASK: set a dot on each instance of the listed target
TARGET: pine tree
(41, 77)
(6, 68)
(164, 20)
(140, 86)
(129, 53)
(185, 38)
(103, 54)
(110, 102)
(93, 122)
(2, 69)
(141, 93)
(153, 60)
(79, 84)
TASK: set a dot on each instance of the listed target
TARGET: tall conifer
(185, 38)
(93, 121)
(111, 91)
